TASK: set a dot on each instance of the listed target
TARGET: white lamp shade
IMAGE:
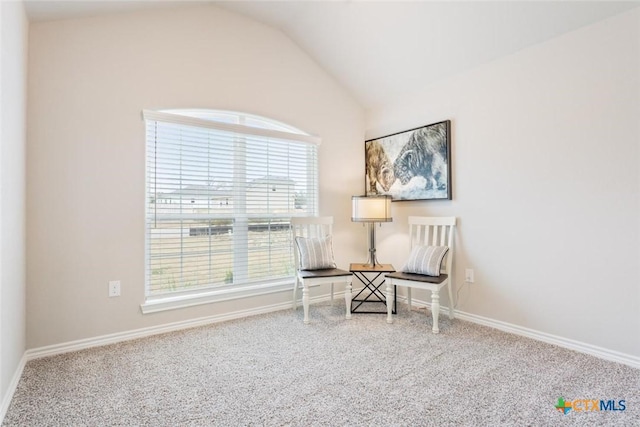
(371, 209)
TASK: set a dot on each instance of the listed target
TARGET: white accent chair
(427, 231)
(316, 227)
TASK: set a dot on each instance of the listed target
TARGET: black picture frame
(410, 165)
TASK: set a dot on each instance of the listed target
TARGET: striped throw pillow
(426, 260)
(315, 253)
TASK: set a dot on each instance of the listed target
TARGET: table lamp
(371, 209)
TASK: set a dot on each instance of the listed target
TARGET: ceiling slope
(382, 50)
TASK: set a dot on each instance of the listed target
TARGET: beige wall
(89, 80)
(13, 62)
(545, 183)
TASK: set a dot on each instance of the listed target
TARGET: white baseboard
(600, 352)
(51, 350)
(6, 400)
(67, 347)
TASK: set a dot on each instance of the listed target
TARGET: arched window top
(233, 117)
(230, 121)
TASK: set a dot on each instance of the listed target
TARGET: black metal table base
(376, 295)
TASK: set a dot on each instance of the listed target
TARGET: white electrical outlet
(114, 288)
(468, 275)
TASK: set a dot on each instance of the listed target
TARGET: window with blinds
(221, 189)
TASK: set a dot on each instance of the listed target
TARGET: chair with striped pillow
(315, 265)
(429, 264)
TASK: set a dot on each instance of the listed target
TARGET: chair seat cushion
(417, 277)
(327, 272)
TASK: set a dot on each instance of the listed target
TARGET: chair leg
(435, 310)
(305, 302)
(389, 302)
(332, 292)
(295, 294)
(451, 302)
(409, 297)
(347, 297)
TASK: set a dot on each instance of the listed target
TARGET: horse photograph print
(410, 165)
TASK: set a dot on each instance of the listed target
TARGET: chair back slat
(434, 231)
(311, 226)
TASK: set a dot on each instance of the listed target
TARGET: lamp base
(371, 264)
(372, 261)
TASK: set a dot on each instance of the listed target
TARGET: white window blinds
(220, 191)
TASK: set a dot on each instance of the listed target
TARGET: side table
(373, 279)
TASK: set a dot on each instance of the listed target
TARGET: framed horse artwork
(410, 165)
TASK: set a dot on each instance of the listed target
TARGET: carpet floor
(273, 370)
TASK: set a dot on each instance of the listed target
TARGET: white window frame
(187, 298)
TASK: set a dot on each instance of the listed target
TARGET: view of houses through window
(221, 190)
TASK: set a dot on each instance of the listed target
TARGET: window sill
(154, 305)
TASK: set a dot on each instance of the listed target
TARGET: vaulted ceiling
(381, 50)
